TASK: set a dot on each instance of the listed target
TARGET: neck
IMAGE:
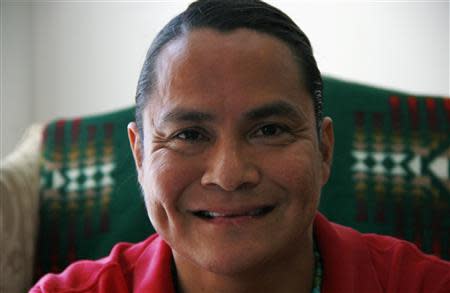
(288, 272)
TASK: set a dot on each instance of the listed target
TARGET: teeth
(253, 213)
(208, 214)
(213, 214)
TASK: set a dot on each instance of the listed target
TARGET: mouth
(248, 213)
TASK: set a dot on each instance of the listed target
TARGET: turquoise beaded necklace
(317, 281)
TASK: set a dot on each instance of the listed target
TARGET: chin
(233, 265)
(235, 259)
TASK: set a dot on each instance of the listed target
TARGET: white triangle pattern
(439, 166)
(73, 175)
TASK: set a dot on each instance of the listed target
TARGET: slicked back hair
(226, 16)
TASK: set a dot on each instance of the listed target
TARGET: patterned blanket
(390, 176)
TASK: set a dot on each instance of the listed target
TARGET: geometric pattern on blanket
(391, 167)
(89, 195)
(390, 175)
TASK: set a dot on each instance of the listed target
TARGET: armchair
(79, 193)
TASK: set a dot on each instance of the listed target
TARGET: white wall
(402, 45)
(16, 103)
(86, 56)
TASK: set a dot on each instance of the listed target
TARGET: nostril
(229, 184)
(229, 168)
(246, 186)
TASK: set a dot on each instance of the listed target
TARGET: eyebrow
(186, 115)
(278, 108)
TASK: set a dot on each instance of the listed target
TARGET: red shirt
(352, 262)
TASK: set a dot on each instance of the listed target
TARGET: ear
(326, 148)
(136, 146)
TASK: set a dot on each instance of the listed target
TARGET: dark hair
(226, 16)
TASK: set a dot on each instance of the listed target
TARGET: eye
(190, 135)
(270, 130)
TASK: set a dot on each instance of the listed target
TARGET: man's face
(231, 168)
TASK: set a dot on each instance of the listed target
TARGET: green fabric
(391, 164)
(390, 176)
(90, 198)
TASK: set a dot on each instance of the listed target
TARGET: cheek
(299, 174)
(164, 178)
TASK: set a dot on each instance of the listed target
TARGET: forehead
(206, 65)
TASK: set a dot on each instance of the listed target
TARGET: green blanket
(390, 176)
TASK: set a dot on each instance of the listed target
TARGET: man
(232, 151)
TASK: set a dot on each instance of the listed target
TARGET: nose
(230, 167)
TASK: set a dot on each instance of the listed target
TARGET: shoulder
(110, 274)
(401, 265)
(357, 262)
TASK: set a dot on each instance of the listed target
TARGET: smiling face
(231, 168)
